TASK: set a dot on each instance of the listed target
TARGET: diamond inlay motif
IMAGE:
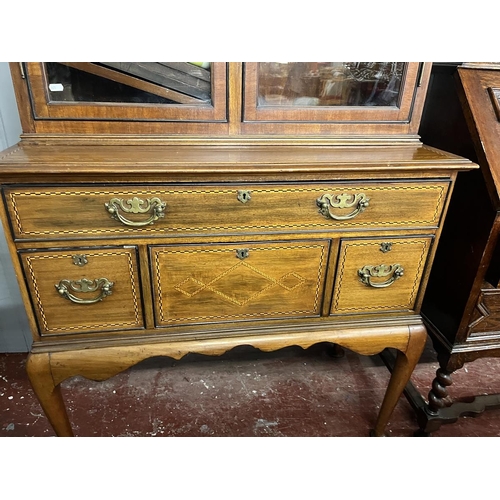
(240, 284)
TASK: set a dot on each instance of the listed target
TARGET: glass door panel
(330, 91)
(164, 83)
(141, 91)
(329, 83)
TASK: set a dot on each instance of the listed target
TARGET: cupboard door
(238, 281)
(379, 275)
(128, 91)
(330, 91)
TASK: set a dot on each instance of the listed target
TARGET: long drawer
(75, 212)
(84, 290)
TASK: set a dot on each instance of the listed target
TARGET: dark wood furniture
(461, 307)
(294, 205)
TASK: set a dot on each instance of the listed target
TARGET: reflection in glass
(110, 82)
(329, 83)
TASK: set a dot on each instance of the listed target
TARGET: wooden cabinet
(267, 219)
(462, 306)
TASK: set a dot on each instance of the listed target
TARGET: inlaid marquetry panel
(81, 290)
(69, 212)
(212, 283)
(381, 274)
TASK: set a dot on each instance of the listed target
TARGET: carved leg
(405, 363)
(48, 393)
(438, 396)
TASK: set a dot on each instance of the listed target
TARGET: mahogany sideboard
(262, 204)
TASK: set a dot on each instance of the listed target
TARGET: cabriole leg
(405, 363)
(49, 394)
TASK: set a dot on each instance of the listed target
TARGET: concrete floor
(291, 392)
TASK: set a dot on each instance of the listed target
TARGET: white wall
(15, 335)
(10, 126)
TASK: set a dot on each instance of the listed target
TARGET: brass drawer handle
(328, 201)
(84, 286)
(366, 274)
(136, 206)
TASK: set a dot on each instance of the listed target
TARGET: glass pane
(160, 83)
(329, 83)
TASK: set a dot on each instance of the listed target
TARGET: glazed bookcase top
(281, 99)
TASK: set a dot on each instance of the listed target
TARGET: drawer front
(379, 274)
(55, 213)
(81, 290)
(231, 282)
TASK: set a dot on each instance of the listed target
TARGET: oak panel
(485, 318)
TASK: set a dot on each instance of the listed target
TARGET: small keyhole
(80, 260)
(244, 196)
(242, 254)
